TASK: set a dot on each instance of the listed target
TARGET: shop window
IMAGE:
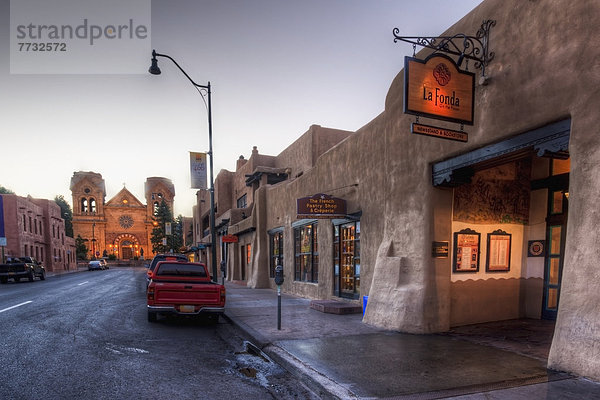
(306, 265)
(248, 254)
(242, 202)
(84, 205)
(560, 167)
(346, 254)
(276, 252)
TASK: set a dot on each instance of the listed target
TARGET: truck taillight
(150, 293)
(223, 295)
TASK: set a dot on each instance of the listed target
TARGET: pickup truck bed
(184, 288)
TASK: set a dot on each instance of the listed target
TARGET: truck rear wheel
(151, 317)
(43, 276)
(32, 276)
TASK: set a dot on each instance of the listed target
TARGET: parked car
(21, 267)
(163, 257)
(184, 288)
(95, 265)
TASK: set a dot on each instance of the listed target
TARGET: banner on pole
(198, 170)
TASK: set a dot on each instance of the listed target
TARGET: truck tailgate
(187, 293)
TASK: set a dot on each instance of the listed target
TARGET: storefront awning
(550, 140)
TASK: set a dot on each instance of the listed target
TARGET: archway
(126, 246)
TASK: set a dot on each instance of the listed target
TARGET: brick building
(35, 228)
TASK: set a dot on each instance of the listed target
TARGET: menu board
(466, 251)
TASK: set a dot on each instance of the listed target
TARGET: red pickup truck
(184, 288)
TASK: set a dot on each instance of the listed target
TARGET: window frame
(310, 257)
(275, 259)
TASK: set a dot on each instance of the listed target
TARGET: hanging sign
(198, 170)
(428, 130)
(229, 239)
(436, 88)
(320, 206)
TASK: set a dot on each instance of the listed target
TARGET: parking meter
(279, 275)
(279, 282)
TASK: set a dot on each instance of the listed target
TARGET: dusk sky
(276, 67)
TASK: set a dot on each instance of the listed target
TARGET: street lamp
(155, 70)
(93, 241)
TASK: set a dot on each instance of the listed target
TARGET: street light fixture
(155, 70)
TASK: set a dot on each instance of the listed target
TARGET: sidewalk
(338, 356)
(78, 268)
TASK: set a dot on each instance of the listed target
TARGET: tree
(66, 213)
(81, 249)
(162, 215)
(4, 190)
(177, 240)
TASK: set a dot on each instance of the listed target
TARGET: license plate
(187, 309)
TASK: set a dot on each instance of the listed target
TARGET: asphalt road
(85, 336)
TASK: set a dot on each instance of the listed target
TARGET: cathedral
(121, 226)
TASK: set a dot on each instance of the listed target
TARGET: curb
(318, 383)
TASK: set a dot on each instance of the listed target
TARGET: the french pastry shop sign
(320, 206)
(436, 88)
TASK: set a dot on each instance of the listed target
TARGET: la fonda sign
(436, 88)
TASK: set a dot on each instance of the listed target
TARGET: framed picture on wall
(536, 248)
(498, 251)
(466, 251)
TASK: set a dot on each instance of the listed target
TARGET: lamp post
(93, 241)
(155, 70)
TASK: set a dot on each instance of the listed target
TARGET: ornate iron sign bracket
(474, 48)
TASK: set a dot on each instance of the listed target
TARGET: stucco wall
(347, 170)
(544, 70)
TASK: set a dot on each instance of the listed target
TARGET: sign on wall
(229, 239)
(320, 206)
(436, 88)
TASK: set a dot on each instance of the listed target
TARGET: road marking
(18, 305)
(116, 349)
(82, 283)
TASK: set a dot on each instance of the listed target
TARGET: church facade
(121, 226)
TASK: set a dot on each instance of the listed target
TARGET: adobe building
(121, 226)
(35, 228)
(488, 221)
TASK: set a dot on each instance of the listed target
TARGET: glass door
(556, 229)
(347, 262)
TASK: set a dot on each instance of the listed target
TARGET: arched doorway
(126, 247)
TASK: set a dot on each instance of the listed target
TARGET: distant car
(103, 263)
(95, 264)
(163, 257)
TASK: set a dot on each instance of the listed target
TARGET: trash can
(365, 300)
